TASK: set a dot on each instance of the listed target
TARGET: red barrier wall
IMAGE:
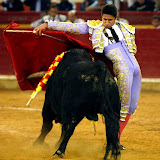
(148, 54)
(134, 17)
(20, 17)
(138, 17)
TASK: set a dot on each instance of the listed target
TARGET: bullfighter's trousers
(128, 74)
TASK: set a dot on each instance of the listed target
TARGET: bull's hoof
(38, 143)
(108, 153)
(58, 154)
(116, 157)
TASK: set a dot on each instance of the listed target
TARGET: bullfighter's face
(108, 20)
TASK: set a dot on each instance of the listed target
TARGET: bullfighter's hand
(39, 29)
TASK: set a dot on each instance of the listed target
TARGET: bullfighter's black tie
(114, 34)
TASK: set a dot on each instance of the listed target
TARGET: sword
(53, 37)
(24, 31)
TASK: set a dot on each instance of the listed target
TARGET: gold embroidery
(94, 23)
(101, 45)
(129, 28)
(90, 30)
(98, 37)
(99, 50)
(121, 71)
(129, 41)
(98, 40)
(95, 44)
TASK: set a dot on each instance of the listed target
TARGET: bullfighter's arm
(77, 28)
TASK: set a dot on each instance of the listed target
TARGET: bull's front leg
(69, 129)
(46, 128)
(48, 117)
(61, 138)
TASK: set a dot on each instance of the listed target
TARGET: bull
(81, 88)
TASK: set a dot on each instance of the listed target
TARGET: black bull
(81, 88)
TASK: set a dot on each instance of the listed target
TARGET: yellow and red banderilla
(46, 76)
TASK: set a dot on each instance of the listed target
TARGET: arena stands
(134, 18)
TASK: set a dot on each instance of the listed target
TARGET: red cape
(32, 54)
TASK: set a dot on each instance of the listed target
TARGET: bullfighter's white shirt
(118, 32)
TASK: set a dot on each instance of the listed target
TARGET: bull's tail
(109, 90)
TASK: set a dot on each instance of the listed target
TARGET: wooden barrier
(134, 17)
(20, 17)
(138, 17)
(148, 54)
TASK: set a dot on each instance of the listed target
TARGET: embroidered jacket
(95, 28)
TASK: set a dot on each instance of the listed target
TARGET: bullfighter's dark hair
(109, 9)
(53, 6)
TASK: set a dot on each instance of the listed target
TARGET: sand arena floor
(20, 126)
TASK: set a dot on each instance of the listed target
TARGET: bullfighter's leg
(122, 126)
(127, 71)
(47, 124)
(135, 93)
